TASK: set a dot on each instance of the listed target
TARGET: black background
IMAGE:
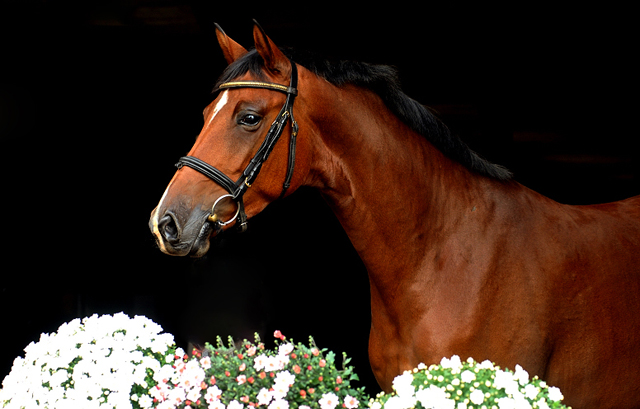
(98, 99)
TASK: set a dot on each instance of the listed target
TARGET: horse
(461, 258)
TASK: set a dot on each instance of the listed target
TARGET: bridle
(238, 188)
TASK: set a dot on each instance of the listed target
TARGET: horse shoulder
(594, 296)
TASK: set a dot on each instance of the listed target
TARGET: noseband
(238, 188)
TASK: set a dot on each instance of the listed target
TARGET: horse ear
(274, 60)
(231, 50)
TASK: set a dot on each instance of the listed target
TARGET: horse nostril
(169, 228)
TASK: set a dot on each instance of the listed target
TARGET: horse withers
(461, 258)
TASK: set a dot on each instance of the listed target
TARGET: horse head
(216, 185)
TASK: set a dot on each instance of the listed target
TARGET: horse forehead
(221, 102)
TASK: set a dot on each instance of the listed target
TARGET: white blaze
(219, 105)
(156, 231)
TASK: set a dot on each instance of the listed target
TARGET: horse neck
(394, 193)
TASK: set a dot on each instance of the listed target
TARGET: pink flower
(241, 379)
(251, 351)
(350, 402)
(216, 404)
(285, 349)
(206, 362)
(278, 335)
(234, 404)
(260, 362)
(213, 393)
(264, 397)
(322, 363)
(328, 401)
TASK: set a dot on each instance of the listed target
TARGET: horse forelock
(382, 80)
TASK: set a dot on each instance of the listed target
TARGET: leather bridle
(238, 188)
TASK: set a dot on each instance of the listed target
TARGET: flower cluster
(249, 375)
(119, 362)
(99, 362)
(466, 385)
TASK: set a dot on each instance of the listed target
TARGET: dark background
(98, 99)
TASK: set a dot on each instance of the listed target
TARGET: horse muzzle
(176, 238)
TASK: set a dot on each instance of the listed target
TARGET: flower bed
(296, 376)
(465, 385)
(97, 362)
(121, 362)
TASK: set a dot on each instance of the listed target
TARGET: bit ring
(213, 217)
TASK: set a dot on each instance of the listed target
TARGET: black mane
(383, 80)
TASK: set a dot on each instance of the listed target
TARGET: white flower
(399, 402)
(506, 403)
(194, 394)
(328, 401)
(531, 391)
(516, 402)
(260, 362)
(216, 404)
(521, 402)
(505, 380)
(285, 378)
(281, 361)
(521, 375)
(542, 404)
(402, 385)
(555, 394)
(486, 364)
(234, 404)
(467, 376)
(477, 396)
(454, 363)
(279, 404)
(279, 391)
(274, 363)
(434, 397)
(145, 401)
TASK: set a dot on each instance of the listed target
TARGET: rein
(238, 188)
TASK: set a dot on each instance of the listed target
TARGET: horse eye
(250, 120)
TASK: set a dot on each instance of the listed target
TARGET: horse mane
(384, 81)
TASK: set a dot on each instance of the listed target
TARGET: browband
(258, 84)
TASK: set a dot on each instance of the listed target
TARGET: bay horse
(461, 258)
